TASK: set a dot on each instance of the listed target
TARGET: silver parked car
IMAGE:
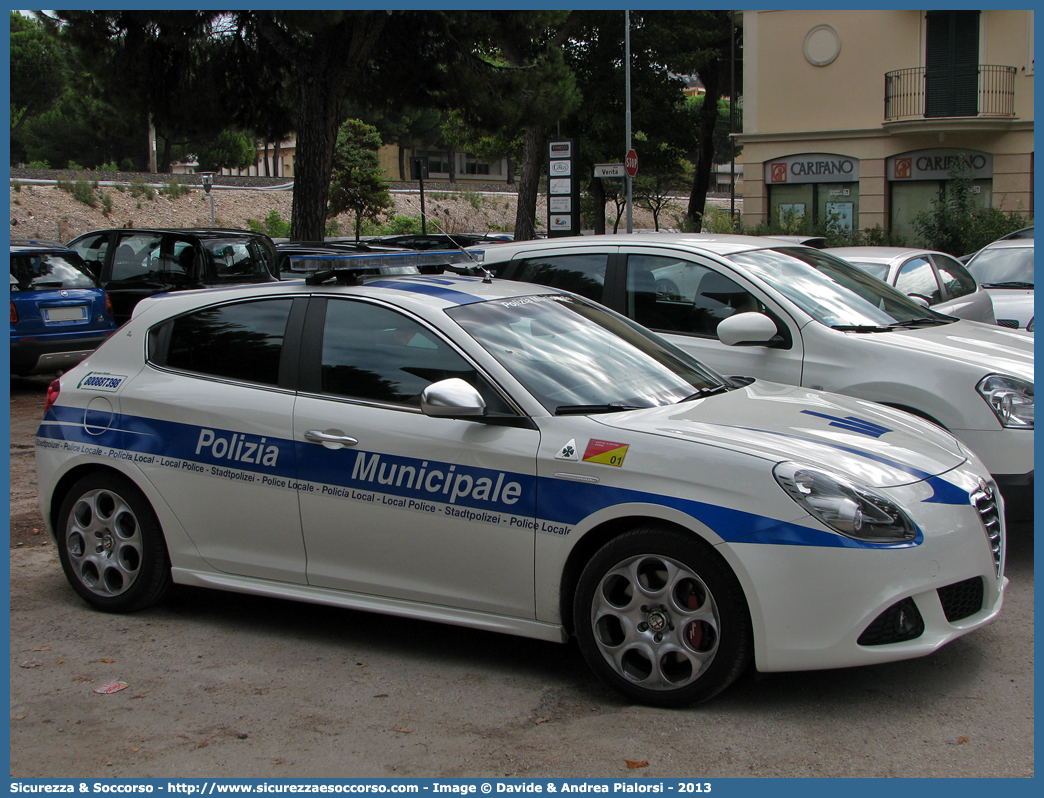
(935, 277)
(1005, 270)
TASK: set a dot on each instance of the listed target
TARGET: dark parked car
(136, 263)
(59, 313)
(439, 240)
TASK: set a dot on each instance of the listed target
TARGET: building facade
(855, 118)
(443, 165)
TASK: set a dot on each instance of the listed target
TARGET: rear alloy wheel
(111, 546)
(661, 618)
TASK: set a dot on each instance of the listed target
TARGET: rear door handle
(331, 439)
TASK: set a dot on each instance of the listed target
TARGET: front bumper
(823, 607)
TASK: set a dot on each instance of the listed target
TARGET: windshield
(1003, 265)
(569, 352)
(833, 292)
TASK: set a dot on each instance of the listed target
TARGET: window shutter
(952, 64)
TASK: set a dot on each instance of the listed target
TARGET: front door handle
(331, 439)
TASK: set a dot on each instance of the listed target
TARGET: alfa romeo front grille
(985, 502)
(961, 600)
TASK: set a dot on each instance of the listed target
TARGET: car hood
(1012, 303)
(871, 444)
(987, 347)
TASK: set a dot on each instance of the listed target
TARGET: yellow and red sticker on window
(605, 452)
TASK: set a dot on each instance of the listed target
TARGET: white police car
(507, 457)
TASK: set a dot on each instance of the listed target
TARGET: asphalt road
(224, 685)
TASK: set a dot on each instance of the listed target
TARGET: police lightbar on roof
(355, 274)
(383, 260)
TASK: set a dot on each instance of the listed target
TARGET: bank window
(375, 354)
(917, 278)
(241, 342)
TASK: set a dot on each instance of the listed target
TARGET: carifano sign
(936, 164)
(812, 168)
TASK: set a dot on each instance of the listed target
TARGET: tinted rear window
(238, 342)
(50, 271)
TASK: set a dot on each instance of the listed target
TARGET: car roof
(199, 232)
(418, 292)
(24, 245)
(716, 243)
(1010, 243)
(880, 254)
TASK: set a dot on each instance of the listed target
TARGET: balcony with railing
(983, 91)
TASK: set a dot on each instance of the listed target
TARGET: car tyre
(661, 618)
(111, 545)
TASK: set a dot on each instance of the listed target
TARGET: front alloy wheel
(661, 618)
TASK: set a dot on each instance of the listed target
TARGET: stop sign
(631, 163)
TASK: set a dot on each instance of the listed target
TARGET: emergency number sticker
(605, 452)
(102, 381)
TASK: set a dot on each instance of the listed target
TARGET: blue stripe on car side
(944, 492)
(552, 500)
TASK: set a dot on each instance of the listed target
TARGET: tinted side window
(916, 278)
(581, 274)
(956, 279)
(92, 249)
(379, 355)
(136, 255)
(666, 293)
(236, 342)
(239, 260)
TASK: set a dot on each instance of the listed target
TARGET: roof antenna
(486, 274)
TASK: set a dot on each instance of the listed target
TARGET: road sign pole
(627, 92)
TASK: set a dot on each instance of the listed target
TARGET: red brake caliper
(695, 629)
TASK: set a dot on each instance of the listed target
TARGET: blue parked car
(59, 312)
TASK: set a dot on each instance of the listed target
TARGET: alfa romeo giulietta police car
(507, 457)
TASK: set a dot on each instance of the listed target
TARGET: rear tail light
(14, 314)
(53, 390)
(108, 305)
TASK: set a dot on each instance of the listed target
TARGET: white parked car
(1005, 269)
(938, 279)
(797, 315)
(516, 459)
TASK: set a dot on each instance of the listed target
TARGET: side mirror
(452, 398)
(747, 329)
(920, 300)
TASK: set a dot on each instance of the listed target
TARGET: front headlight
(1010, 399)
(854, 511)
